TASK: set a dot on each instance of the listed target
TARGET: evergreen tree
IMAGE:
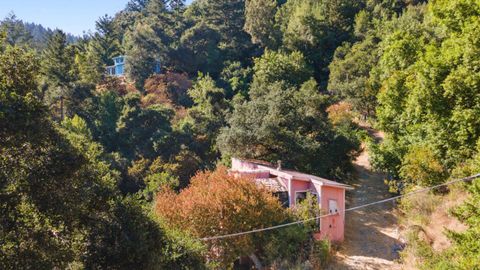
(227, 16)
(205, 119)
(17, 34)
(98, 51)
(144, 132)
(57, 69)
(260, 22)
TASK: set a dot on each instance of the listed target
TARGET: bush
(421, 167)
(320, 254)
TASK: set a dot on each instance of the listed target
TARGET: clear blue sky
(73, 16)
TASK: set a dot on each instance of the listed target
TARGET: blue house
(118, 69)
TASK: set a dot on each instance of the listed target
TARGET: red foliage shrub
(169, 88)
(217, 203)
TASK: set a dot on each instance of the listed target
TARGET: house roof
(272, 183)
(263, 165)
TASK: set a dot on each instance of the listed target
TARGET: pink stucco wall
(299, 185)
(238, 164)
(332, 227)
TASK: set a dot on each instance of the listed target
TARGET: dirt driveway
(370, 233)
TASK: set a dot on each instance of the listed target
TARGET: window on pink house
(301, 196)
(282, 197)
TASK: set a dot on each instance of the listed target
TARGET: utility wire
(465, 179)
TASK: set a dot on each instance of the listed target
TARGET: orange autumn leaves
(217, 203)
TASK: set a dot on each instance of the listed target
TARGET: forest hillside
(130, 171)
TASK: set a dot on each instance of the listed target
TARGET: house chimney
(279, 164)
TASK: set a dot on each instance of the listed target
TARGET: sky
(72, 16)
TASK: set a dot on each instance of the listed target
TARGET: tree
(13, 60)
(99, 50)
(272, 67)
(204, 119)
(149, 41)
(50, 192)
(136, 5)
(15, 30)
(217, 203)
(235, 79)
(143, 50)
(60, 207)
(351, 78)
(199, 50)
(421, 167)
(260, 22)
(316, 28)
(57, 69)
(176, 5)
(144, 132)
(169, 88)
(288, 124)
(431, 80)
(228, 18)
(105, 115)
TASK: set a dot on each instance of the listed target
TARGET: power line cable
(465, 179)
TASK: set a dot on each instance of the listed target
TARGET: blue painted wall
(119, 67)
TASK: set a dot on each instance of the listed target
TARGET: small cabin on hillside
(292, 187)
(118, 68)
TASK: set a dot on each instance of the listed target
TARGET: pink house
(292, 187)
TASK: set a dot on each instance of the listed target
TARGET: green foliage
(320, 254)
(290, 69)
(51, 191)
(236, 79)
(421, 167)
(288, 124)
(58, 71)
(260, 22)
(109, 107)
(431, 80)
(350, 75)
(60, 204)
(57, 61)
(228, 18)
(413, 66)
(94, 55)
(316, 28)
(204, 120)
(428, 96)
(199, 50)
(307, 209)
(13, 60)
(16, 32)
(144, 132)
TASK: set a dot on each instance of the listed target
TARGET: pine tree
(17, 34)
(57, 69)
(260, 22)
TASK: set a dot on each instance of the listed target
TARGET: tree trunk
(61, 108)
(256, 261)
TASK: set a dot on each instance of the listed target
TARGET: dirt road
(370, 233)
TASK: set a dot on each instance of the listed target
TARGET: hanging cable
(465, 179)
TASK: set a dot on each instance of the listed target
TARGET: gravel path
(370, 233)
